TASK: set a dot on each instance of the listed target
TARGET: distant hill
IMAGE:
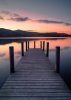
(21, 33)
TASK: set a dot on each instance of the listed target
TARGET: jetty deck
(35, 78)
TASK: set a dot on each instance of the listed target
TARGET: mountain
(21, 33)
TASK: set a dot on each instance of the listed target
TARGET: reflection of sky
(65, 60)
(65, 44)
(65, 55)
(2, 55)
(4, 59)
(65, 65)
(22, 14)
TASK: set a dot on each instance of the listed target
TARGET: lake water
(65, 55)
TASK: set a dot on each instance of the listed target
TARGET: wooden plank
(35, 79)
(34, 98)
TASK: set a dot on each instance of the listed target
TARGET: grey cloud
(52, 22)
(20, 19)
(47, 21)
(14, 16)
(67, 24)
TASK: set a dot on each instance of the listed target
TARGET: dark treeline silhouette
(20, 33)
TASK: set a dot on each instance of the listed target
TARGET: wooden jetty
(35, 78)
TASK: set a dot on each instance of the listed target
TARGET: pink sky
(32, 23)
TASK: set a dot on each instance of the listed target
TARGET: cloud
(47, 21)
(52, 22)
(1, 18)
(67, 24)
(20, 19)
(7, 13)
(14, 16)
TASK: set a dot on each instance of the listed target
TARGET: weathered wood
(26, 46)
(22, 49)
(11, 51)
(34, 44)
(43, 45)
(57, 59)
(35, 79)
(47, 49)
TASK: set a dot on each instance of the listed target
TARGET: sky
(36, 15)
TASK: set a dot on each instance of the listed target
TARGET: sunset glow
(25, 15)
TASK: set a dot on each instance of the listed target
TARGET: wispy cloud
(1, 18)
(7, 13)
(18, 18)
(52, 22)
(4, 12)
(14, 16)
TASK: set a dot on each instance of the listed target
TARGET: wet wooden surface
(35, 79)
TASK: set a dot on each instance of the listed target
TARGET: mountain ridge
(22, 33)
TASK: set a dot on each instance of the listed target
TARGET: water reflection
(2, 55)
(65, 65)
(64, 43)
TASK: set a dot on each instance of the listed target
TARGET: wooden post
(11, 50)
(22, 49)
(57, 59)
(43, 45)
(47, 49)
(26, 46)
(34, 44)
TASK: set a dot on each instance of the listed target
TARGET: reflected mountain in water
(18, 40)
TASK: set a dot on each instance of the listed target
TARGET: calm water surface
(65, 55)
